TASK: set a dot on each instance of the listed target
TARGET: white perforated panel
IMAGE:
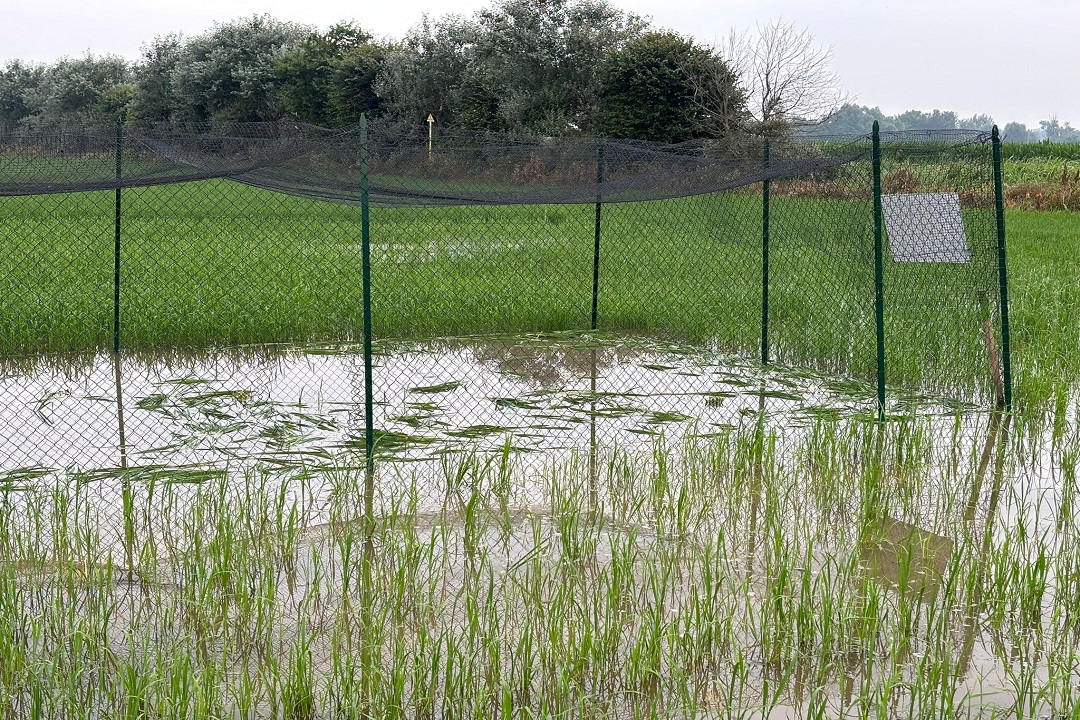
(925, 227)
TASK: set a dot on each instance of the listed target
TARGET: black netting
(551, 246)
(615, 281)
(450, 169)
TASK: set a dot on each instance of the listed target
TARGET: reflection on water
(299, 411)
(287, 407)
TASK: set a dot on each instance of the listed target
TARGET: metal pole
(594, 324)
(596, 236)
(126, 496)
(1003, 275)
(116, 236)
(765, 256)
(879, 289)
(593, 476)
(365, 252)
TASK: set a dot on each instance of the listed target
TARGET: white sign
(925, 227)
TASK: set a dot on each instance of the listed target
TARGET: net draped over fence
(345, 423)
(268, 287)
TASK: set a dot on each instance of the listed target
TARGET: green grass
(216, 264)
(1045, 305)
(1021, 152)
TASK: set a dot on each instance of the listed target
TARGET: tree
(978, 121)
(352, 86)
(541, 59)
(327, 77)
(719, 100)
(1057, 133)
(303, 76)
(527, 66)
(419, 75)
(229, 72)
(18, 82)
(87, 89)
(474, 102)
(787, 77)
(1018, 132)
(154, 99)
(919, 120)
(857, 119)
(852, 119)
(654, 88)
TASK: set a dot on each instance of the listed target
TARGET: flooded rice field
(556, 525)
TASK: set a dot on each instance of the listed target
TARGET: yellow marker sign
(430, 131)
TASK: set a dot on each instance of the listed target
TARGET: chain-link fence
(451, 322)
(185, 300)
(499, 266)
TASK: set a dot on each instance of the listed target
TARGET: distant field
(1040, 151)
(1041, 176)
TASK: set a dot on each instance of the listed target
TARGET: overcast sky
(1012, 60)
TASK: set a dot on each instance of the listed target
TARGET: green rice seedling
(298, 686)
(135, 686)
(645, 584)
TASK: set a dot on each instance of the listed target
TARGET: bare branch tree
(717, 96)
(787, 76)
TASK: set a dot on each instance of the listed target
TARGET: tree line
(851, 118)
(547, 67)
(536, 67)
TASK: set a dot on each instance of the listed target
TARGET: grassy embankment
(1042, 177)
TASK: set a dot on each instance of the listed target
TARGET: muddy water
(298, 411)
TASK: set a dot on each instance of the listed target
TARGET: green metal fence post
(765, 256)
(125, 492)
(116, 234)
(879, 289)
(594, 323)
(1003, 276)
(365, 254)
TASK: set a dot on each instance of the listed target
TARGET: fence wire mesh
(575, 344)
